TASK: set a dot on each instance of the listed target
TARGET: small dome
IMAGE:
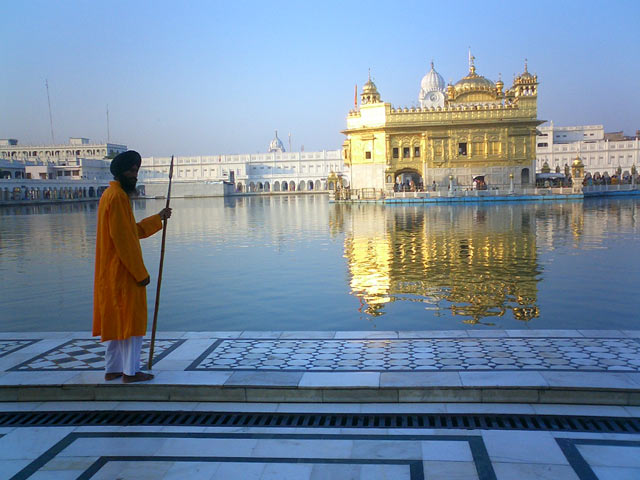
(433, 82)
(369, 93)
(369, 87)
(276, 145)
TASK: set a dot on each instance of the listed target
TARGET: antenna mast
(46, 83)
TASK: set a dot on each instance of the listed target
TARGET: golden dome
(370, 92)
(577, 162)
(473, 84)
(473, 81)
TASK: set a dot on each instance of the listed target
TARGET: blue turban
(124, 161)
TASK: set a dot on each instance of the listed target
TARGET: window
(543, 144)
(396, 154)
(367, 155)
(416, 151)
(405, 152)
(462, 148)
(76, 173)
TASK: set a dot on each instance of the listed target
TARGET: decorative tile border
(476, 445)
(569, 447)
(87, 354)
(424, 354)
(9, 346)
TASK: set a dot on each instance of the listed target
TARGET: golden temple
(470, 134)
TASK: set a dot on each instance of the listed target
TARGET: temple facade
(471, 134)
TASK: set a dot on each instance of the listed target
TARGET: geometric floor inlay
(10, 346)
(600, 458)
(88, 354)
(224, 456)
(465, 354)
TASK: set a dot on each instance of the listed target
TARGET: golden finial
(472, 68)
(525, 66)
(432, 64)
(369, 74)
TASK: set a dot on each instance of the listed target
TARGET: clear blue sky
(205, 77)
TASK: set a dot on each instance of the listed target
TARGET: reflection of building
(467, 260)
(470, 133)
(600, 152)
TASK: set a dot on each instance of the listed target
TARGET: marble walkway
(554, 366)
(524, 372)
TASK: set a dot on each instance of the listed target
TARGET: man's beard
(128, 185)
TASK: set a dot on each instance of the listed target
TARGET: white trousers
(123, 356)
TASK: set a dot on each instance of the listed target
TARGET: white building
(77, 147)
(600, 152)
(69, 169)
(276, 171)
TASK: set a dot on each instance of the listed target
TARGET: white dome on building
(432, 89)
(276, 145)
(433, 82)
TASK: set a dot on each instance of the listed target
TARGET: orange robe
(119, 304)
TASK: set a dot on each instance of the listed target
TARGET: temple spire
(472, 68)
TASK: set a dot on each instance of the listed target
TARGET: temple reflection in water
(475, 261)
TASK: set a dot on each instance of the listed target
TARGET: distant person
(119, 295)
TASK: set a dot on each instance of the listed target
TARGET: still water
(300, 263)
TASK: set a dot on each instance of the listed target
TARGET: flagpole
(164, 236)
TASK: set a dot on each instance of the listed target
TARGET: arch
(301, 186)
(267, 187)
(260, 187)
(285, 186)
(276, 186)
(239, 187)
(408, 179)
(310, 185)
(318, 185)
(292, 186)
(524, 176)
(252, 187)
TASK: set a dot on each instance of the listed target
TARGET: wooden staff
(164, 236)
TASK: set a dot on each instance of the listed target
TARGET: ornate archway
(408, 179)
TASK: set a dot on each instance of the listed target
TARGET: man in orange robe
(120, 296)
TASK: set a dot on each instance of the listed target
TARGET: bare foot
(112, 375)
(138, 377)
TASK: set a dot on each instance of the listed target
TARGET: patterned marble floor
(85, 354)
(587, 354)
(302, 453)
(520, 366)
(469, 354)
